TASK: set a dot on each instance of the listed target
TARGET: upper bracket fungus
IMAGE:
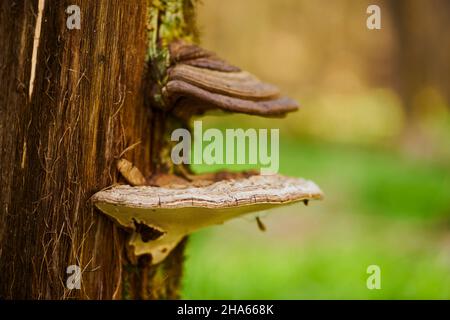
(161, 216)
(199, 81)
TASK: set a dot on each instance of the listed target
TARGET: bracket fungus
(199, 81)
(161, 210)
(162, 216)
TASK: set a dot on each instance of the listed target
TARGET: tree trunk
(59, 146)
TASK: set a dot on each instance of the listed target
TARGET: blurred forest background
(374, 133)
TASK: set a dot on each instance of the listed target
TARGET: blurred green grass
(381, 207)
(373, 180)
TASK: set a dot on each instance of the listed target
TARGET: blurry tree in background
(355, 85)
(422, 56)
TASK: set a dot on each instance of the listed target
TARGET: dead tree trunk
(61, 134)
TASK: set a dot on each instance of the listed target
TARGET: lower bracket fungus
(160, 217)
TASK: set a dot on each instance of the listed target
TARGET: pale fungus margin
(160, 217)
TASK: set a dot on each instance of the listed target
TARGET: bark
(59, 146)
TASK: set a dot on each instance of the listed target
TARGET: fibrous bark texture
(59, 146)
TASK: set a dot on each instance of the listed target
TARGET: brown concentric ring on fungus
(234, 84)
(190, 54)
(200, 81)
(179, 212)
(200, 100)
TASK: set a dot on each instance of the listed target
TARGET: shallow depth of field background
(373, 132)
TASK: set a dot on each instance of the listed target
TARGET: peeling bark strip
(37, 35)
(87, 107)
